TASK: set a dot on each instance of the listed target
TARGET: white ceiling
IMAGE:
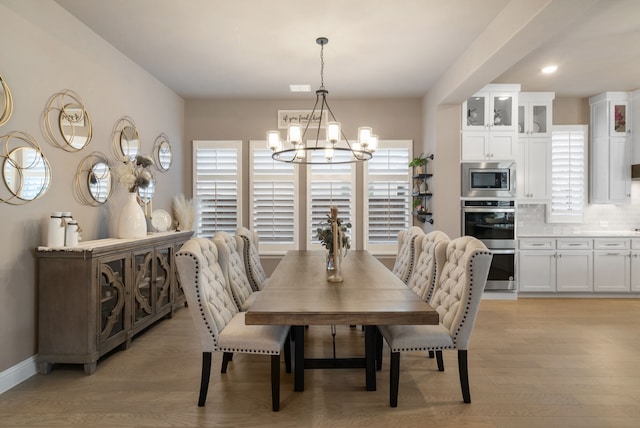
(377, 48)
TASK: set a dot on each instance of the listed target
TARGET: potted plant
(419, 162)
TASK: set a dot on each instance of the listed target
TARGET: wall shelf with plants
(421, 191)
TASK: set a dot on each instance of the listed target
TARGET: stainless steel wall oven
(494, 223)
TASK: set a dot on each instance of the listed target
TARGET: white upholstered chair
(456, 299)
(251, 257)
(407, 242)
(219, 324)
(233, 269)
(428, 263)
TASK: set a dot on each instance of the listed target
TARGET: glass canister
(55, 237)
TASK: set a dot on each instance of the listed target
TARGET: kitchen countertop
(586, 234)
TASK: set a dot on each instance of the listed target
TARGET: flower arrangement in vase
(133, 175)
(332, 234)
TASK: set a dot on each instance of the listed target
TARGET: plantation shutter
(274, 201)
(330, 184)
(568, 174)
(216, 186)
(388, 196)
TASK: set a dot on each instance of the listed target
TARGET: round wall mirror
(67, 124)
(99, 182)
(75, 126)
(130, 142)
(94, 180)
(162, 153)
(146, 193)
(26, 173)
(6, 102)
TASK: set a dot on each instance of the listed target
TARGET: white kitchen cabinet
(574, 271)
(635, 265)
(533, 163)
(489, 124)
(535, 114)
(635, 118)
(533, 170)
(611, 265)
(610, 178)
(537, 271)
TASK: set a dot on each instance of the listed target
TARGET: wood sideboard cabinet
(98, 295)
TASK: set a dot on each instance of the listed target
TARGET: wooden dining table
(298, 294)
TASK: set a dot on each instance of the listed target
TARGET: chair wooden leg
(275, 382)
(394, 379)
(432, 354)
(440, 361)
(379, 347)
(464, 375)
(204, 380)
(287, 354)
(226, 357)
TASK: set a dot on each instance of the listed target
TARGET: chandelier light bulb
(373, 143)
(328, 153)
(294, 135)
(273, 140)
(333, 132)
(301, 152)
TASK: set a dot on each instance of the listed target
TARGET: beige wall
(45, 50)
(249, 119)
(570, 111)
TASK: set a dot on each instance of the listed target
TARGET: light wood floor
(533, 363)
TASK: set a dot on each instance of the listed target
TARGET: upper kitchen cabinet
(534, 147)
(535, 114)
(489, 124)
(610, 179)
(635, 118)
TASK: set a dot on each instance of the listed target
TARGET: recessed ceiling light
(549, 69)
(300, 88)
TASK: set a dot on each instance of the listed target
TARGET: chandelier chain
(322, 66)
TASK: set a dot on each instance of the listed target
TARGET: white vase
(132, 222)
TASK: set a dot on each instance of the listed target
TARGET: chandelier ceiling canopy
(298, 149)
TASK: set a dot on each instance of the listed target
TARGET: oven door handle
(488, 210)
(502, 251)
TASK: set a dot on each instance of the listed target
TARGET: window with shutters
(274, 199)
(568, 174)
(217, 184)
(387, 196)
(327, 185)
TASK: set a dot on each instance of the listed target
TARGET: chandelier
(297, 151)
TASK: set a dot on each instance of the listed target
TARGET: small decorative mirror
(6, 102)
(126, 141)
(94, 180)
(146, 193)
(162, 153)
(74, 130)
(26, 172)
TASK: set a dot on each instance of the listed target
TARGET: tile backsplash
(530, 219)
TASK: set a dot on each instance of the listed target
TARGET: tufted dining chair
(408, 240)
(251, 257)
(430, 255)
(219, 324)
(233, 269)
(456, 299)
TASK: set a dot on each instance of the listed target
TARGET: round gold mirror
(74, 130)
(146, 193)
(162, 153)
(94, 180)
(26, 173)
(130, 142)
(99, 182)
(6, 102)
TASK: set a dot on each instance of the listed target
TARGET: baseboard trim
(18, 374)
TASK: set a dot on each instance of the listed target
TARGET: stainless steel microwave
(488, 180)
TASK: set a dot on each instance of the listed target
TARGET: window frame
(556, 217)
(390, 247)
(273, 248)
(217, 144)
